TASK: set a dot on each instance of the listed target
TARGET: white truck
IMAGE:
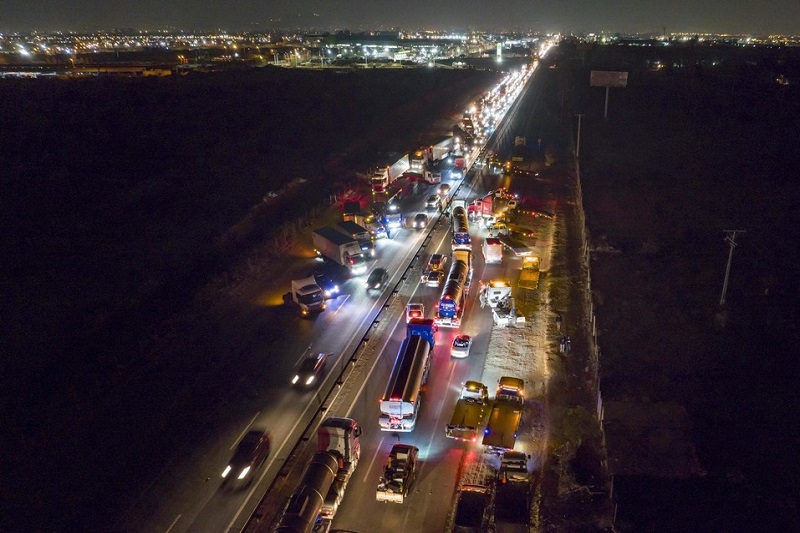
(321, 489)
(398, 474)
(340, 248)
(307, 296)
(495, 292)
(492, 250)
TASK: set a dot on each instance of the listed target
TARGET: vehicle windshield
(312, 298)
(461, 342)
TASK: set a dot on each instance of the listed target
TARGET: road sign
(608, 78)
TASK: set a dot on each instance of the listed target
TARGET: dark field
(705, 145)
(116, 196)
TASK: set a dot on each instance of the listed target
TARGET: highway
(188, 495)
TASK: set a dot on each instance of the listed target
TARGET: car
(471, 509)
(377, 280)
(310, 370)
(329, 288)
(444, 188)
(414, 310)
(433, 202)
(434, 278)
(251, 452)
(437, 262)
(376, 229)
(461, 345)
(420, 220)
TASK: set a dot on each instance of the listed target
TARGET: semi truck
(400, 403)
(322, 487)
(492, 250)
(398, 474)
(339, 248)
(383, 176)
(470, 412)
(501, 430)
(512, 502)
(307, 296)
(529, 275)
(360, 234)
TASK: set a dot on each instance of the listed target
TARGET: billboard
(608, 78)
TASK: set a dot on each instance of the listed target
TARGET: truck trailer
(400, 403)
(339, 248)
(321, 489)
(492, 250)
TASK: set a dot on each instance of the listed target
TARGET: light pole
(578, 146)
(730, 238)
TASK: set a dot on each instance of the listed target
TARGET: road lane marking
(244, 431)
(339, 307)
(173, 523)
(374, 456)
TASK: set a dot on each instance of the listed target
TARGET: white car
(461, 346)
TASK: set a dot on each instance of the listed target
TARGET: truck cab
(307, 296)
(398, 474)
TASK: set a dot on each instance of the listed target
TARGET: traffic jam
(349, 250)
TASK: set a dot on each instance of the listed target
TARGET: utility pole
(578, 147)
(730, 238)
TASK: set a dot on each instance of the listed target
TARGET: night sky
(645, 16)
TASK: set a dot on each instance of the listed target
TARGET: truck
(512, 502)
(307, 296)
(517, 153)
(400, 403)
(512, 243)
(383, 176)
(470, 412)
(418, 160)
(495, 292)
(339, 248)
(492, 250)
(379, 180)
(494, 206)
(501, 430)
(322, 486)
(360, 234)
(398, 474)
(529, 275)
